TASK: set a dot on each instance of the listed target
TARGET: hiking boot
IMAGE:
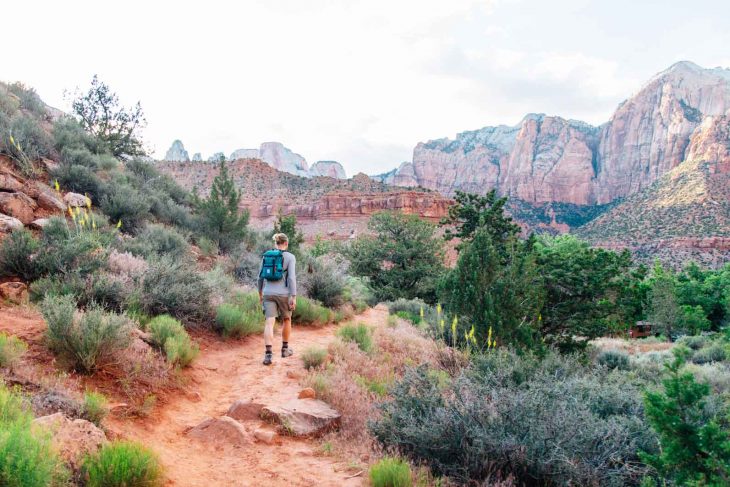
(287, 352)
(267, 358)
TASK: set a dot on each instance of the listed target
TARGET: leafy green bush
(238, 321)
(309, 312)
(88, 341)
(208, 247)
(694, 342)
(79, 179)
(27, 457)
(96, 407)
(359, 334)
(123, 464)
(174, 287)
(158, 240)
(11, 349)
(31, 139)
(29, 99)
(711, 353)
(412, 307)
(391, 472)
(69, 285)
(124, 203)
(325, 283)
(16, 252)
(614, 359)
(313, 357)
(170, 335)
(358, 294)
(551, 421)
(65, 251)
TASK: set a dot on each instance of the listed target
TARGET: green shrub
(158, 240)
(27, 457)
(174, 287)
(711, 353)
(79, 179)
(69, 285)
(123, 464)
(391, 472)
(96, 407)
(313, 357)
(614, 359)
(30, 139)
(170, 335)
(412, 307)
(358, 294)
(325, 283)
(405, 315)
(220, 283)
(29, 99)
(88, 341)
(11, 349)
(208, 247)
(309, 312)
(236, 321)
(694, 342)
(64, 251)
(124, 203)
(16, 252)
(548, 421)
(180, 350)
(359, 334)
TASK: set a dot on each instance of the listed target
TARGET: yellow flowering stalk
(438, 310)
(88, 202)
(453, 330)
(442, 324)
(57, 186)
(421, 313)
(119, 224)
(489, 338)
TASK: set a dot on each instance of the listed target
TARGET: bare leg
(286, 330)
(269, 331)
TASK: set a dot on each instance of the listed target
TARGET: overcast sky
(360, 82)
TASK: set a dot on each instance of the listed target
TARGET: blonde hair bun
(280, 238)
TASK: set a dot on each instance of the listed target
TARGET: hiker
(277, 285)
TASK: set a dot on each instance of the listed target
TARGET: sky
(357, 81)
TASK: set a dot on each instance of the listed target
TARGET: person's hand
(292, 303)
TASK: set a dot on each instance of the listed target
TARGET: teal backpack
(272, 267)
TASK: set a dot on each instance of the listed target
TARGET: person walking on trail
(277, 286)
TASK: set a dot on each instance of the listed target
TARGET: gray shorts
(277, 306)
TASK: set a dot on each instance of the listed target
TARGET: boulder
(222, 431)
(49, 199)
(265, 436)
(49, 402)
(39, 223)
(15, 292)
(49, 164)
(245, 411)
(74, 199)
(72, 438)
(303, 417)
(8, 182)
(18, 205)
(307, 393)
(9, 223)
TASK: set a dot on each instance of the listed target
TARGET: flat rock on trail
(225, 372)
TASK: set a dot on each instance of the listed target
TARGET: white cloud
(361, 81)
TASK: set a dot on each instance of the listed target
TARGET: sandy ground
(223, 373)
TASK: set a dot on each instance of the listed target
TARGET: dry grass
(631, 347)
(355, 381)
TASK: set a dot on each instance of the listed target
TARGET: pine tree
(287, 224)
(220, 218)
(695, 447)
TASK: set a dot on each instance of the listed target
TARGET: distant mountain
(177, 152)
(548, 159)
(686, 208)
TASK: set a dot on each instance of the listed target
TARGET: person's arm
(260, 282)
(291, 276)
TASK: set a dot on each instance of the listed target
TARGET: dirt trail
(223, 373)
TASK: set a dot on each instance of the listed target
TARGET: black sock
(284, 344)
(268, 348)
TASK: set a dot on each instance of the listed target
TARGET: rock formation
(244, 154)
(197, 157)
(549, 159)
(177, 152)
(217, 157)
(283, 159)
(332, 169)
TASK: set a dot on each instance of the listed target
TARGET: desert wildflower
(88, 202)
(119, 224)
(71, 211)
(12, 140)
(489, 338)
(442, 324)
(57, 186)
(454, 323)
(438, 309)
(421, 313)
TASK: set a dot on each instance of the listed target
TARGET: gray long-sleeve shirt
(283, 287)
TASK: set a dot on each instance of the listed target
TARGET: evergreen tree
(403, 259)
(287, 224)
(695, 446)
(219, 216)
(487, 290)
(664, 311)
(471, 212)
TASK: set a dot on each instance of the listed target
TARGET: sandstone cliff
(332, 169)
(283, 159)
(177, 152)
(547, 159)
